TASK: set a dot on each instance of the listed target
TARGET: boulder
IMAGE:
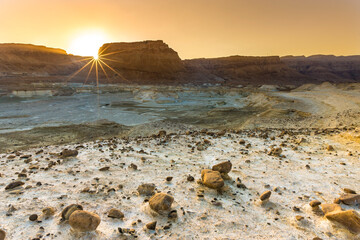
(350, 199)
(349, 219)
(65, 214)
(161, 202)
(115, 213)
(84, 221)
(330, 207)
(224, 167)
(212, 179)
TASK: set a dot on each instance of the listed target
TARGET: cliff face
(31, 60)
(326, 67)
(142, 61)
(241, 70)
(154, 62)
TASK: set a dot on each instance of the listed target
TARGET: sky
(193, 28)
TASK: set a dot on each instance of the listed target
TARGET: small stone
(133, 166)
(265, 195)
(330, 207)
(299, 218)
(212, 179)
(33, 217)
(349, 219)
(103, 169)
(296, 209)
(348, 190)
(168, 179)
(48, 211)
(173, 214)
(146, 189)
(224, 167)
(314, 203)
(14, 185)
(151, 225)
(190, 178)
(84, 221)
(242, 141)
(350, 199)
(330, 148)
(161, 202)
(69, 153)
(162, 133)
(275, 151)
(65, 214)
(116, 213)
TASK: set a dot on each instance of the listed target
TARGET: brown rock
(348, 190)
(275, 151)
(69, 153)
(330, 148)
(116, 213)
(65, 214)
(146, 189)
(299, 218)
(314, 203)
(330, 207)
(14, 185)
(84, 221)
(104, 169)
(48, 211)
(349, 219)
(161, 202)
(212, 179)
(350, 199)
(151, 225)
(265, 195)
(2, 234)
(224, 167)
(33, 217)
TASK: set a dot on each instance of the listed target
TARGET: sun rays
(97, 63)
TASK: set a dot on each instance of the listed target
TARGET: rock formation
(154, 62)
(326, 67)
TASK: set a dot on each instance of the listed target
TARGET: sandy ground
(233, 213)
(319, 115)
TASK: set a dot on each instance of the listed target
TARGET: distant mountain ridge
(154, 62)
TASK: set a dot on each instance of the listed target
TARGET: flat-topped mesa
(147, 56)
(31, 60)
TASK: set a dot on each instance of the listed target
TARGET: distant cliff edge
(154, 62)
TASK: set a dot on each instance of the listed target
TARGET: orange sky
(194, 28)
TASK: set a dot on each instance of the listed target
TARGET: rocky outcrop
(326, 67)
(144, 62)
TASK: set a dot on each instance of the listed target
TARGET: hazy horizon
(194, 29)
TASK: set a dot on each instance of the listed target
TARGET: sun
(87, 44)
